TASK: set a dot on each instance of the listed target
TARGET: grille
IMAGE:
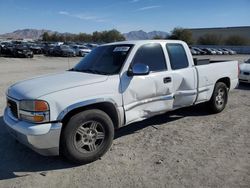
(246, 73)
(13, 107)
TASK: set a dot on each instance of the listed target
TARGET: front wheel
(219, 98)
(87, 136)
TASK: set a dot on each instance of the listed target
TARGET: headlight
(36, 111)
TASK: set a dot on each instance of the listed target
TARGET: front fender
(85, 103)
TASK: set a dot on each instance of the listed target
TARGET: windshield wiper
(89, 71)
(76, 70)
(99, 72)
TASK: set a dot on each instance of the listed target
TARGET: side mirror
(138, 69)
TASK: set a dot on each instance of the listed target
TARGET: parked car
(209, 51)
(194, 52)
(91, 45)
(201, 52)
(63, 51)
(7, 49)
(76, 112)
(3, 44)
(245, 72)
(35, 48)
(231, 52)
(18, 50)
(218, 52)
(224, 52)
(48, 48)
(81, 50)
(22, 51)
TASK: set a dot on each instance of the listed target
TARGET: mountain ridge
(37, 33)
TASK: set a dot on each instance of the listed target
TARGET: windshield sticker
(121, 49)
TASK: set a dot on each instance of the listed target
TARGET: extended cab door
(145, 96)
(184, 74)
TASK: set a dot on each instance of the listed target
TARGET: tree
(158, 37)
(236, 40)
(107, 36)
(54, 37)
(181, 34)
(45, 36)
(99, 37)
(96, 36)
(83, 37)
(209, 39)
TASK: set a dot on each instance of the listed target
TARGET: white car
(75, 112)
(81, 50)
(245, 72)
(231, 52)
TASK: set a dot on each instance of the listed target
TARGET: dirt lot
(184, 148)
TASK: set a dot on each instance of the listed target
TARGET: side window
(177, 56)
(151, 55)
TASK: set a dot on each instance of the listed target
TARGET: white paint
(135, 98)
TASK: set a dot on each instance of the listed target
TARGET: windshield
(248, 61)
(106, 60)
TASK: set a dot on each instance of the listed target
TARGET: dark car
(17, 51)
(35, 48)
(47, 48)
(22, 51)
(63, 51)
(7, 49)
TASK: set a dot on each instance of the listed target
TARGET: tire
(87, 136)
(219, 98)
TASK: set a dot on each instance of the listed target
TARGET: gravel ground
(185, 148)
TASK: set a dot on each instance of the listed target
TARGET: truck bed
(209, 72)
(198, 62)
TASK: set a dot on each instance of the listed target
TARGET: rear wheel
(87, 136)
(219, 98)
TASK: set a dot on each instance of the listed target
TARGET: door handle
(167, 80)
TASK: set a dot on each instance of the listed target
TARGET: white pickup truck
(75, 113)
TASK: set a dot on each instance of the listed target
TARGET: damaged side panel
(146, 96)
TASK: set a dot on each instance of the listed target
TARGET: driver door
(150, 94)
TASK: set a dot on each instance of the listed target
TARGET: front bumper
(244, 78)
(42, 138)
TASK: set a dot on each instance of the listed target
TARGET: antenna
(68, 63)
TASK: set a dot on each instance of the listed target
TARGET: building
(222, 32)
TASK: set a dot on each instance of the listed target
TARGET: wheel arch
(107, 106)
(225, 80)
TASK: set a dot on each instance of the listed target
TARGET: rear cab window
(177, 56)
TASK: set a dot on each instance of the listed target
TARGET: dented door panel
(185, 87)
(146, 96)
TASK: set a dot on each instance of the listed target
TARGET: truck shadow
(17, 160)
(159, 120)
(243, 86)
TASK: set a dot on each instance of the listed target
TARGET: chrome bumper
(244, 78)
(42, 138)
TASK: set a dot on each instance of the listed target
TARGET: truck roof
(140, 42)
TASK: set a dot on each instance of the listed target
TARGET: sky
(124, 15)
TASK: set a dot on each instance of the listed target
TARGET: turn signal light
(41, 106)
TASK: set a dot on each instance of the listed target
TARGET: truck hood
(40, 86)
